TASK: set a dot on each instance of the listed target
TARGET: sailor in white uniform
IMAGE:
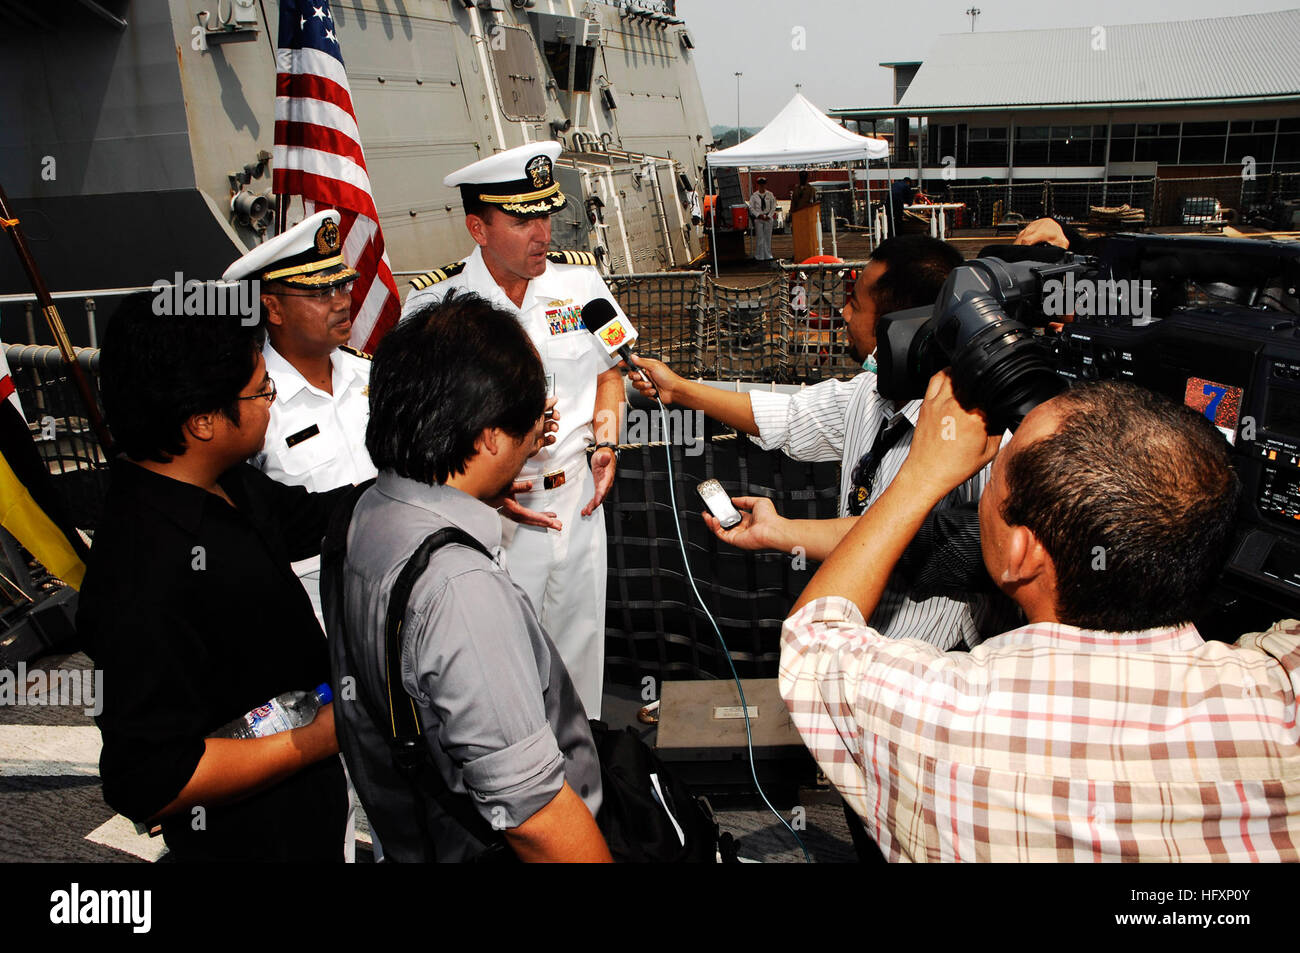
(554, 531)
(762, 210)
(317, 434)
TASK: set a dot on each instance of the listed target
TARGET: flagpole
(51, 311)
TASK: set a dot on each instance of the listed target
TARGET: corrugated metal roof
(1224, 57)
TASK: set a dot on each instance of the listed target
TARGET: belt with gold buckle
(552, 480)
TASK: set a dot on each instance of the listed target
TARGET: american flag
(318, 155)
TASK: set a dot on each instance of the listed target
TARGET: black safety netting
(654, 625)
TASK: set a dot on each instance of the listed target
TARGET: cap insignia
(327, 238)
(539, 171)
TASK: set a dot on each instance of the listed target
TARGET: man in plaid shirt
(1105, 728)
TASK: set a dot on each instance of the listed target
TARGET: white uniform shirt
(839, 420)
(316, 439)
(571, 355)
(761, 202)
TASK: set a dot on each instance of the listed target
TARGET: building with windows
(1060, 119)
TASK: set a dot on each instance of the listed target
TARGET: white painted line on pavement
(48, 750)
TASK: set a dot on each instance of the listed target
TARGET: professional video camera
(1211, 322)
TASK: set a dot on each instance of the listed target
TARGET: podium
(806, 227)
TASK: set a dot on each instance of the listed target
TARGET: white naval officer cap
(309, 255)
(520, 181)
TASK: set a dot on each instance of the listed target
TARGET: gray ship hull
(133, 138)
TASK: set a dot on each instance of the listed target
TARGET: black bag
(644, 822)
(637, 815)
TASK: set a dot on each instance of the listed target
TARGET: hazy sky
(845, 39)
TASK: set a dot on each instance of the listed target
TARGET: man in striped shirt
(936, 594)
(1105, 728)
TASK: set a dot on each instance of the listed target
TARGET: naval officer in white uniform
(762, 212)
(554, 531)
(317, 434)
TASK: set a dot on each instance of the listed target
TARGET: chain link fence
(1165, 202)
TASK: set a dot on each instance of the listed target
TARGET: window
(1072, 145)
(1032, 145)
(1203, 142)
(943, 141)
(1155, 142)
(1288, 140)
(987, 146)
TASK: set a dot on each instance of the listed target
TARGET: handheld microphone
(615, 333)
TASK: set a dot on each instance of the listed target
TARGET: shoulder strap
(571, 257)
(405, 735)
(404, 718)
(405, 732)
(430, 278)
(356, 353)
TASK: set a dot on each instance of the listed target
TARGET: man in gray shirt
(457, 395)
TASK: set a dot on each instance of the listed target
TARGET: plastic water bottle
(282, 713)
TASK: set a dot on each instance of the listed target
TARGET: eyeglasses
(327, 294)
(268, 396)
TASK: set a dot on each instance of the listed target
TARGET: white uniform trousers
(762, 240)
(564, 575)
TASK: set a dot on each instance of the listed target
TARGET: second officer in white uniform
(554, 532)
(317, 434)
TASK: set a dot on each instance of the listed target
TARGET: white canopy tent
(800, 134)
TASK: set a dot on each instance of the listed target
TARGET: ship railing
(89, 307)
(57, 420)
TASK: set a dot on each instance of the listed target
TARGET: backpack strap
(405, 733)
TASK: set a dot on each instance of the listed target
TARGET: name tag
(294, 439)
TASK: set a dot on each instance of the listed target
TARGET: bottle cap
(325, 692)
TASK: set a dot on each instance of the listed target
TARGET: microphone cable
(726, 652)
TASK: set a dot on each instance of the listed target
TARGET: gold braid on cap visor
(553, 204)
(522, 196)
(308, 274)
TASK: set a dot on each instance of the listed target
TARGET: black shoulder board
(572, 258)
(355, 353)
(420, 282)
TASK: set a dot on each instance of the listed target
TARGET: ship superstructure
(144, 128)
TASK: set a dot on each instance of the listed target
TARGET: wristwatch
(608, 445)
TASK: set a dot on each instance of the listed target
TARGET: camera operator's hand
(1043, 231)
(950, 444)
(760, 526)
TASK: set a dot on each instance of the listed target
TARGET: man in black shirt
(190, 606)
